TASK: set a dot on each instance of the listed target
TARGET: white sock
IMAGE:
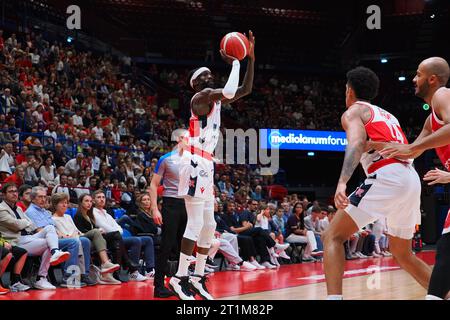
(200, 264)
(335, 297)
(431, 297)
(183, 266)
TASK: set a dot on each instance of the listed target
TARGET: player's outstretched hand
(228, 59)
(251, 40)
(399, 151)
(340, 198)
(437, 176)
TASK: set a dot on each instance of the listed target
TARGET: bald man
(430, 81)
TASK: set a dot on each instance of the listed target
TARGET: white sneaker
(150, 275)
(43, 284)
(107, 278)
(18, 287)
(386, 254)
(284, 255)
(235, 267)
(257, 265)
(198, 284)
(209, 270)
(376, 255)
(109, 267)
(136, 276)
(181, 287)
(282, 247)
(268, 265)
(247, 266)
(59, 257)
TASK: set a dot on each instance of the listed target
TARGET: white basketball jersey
(204, 130)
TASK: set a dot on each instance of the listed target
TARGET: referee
(173, 217)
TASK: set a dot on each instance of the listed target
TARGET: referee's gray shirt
(167, 167)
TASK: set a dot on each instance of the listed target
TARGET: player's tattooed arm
(356, 137)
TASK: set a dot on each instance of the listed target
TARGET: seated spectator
(24, 197)
(17, 177)
(146, 230)
(264, 221)
(312, 223)
(12, 258)
(379, 230)
(257, 194)
(112, 233)
(42, 219)
(30, 176)
(62, 186)
(73, 166)
(279, 221)
(66, 229)
(245, 243)
(297, 233)
(20, 231)
(94, 234)
(47, 173)
(85, 222)
(240, 224)
(128, 199)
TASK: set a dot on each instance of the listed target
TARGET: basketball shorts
(392, 193)
(196, 176)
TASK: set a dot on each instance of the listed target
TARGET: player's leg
(439, 287)
(402, 252)
(205, 238)
(180, 282)
(340, 229)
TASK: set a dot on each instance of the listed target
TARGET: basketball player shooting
(391, 190)
(197, 168)
(430, 80)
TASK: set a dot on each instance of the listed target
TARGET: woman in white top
(47, 173)
(65, 227)
(264, 221)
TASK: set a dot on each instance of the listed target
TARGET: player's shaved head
(436, 66)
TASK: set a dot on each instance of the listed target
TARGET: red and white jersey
(204, 131)
(383, 127)
(442, 152)
(447, 224)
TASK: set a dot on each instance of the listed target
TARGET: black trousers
(174, 224)
(440, 277)
(114, 243)
(246, 246)
(262, 241)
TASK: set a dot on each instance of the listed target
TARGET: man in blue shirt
(42, 218)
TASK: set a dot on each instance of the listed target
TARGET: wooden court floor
(364, 279)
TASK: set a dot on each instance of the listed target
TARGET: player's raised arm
(356, 137)
(201, 103)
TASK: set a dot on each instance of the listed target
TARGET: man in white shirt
(10, 156)
(98, 131)
(62, 186)
(51, 132)
(77, 119)
(73, 166)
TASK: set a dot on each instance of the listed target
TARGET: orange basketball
(235, 44)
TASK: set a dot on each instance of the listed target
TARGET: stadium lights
(401, 78)
(311, 154)
(384, 60)
(432, 16)
(69, 39)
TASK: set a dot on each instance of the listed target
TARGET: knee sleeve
(209, 226)
(194, 210)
